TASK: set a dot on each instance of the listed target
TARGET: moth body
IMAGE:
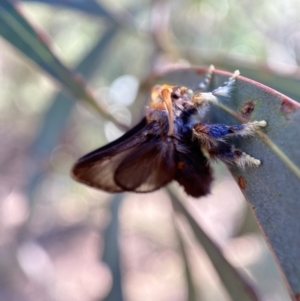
(168, 144)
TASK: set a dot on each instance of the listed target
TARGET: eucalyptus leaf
(237, 287)
(272, 190)
(191, 288)
(57, 116)
(88, 6)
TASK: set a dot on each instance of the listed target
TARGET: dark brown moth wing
(148, 167)
(193, 171)
(97, 168)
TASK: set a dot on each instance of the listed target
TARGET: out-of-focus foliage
(53, 229)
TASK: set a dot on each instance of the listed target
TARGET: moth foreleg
(226, 89)
(223, 92)
(207, 79)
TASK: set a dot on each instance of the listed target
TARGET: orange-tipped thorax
(168, 97)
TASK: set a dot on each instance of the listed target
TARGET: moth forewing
(100, 174)
(142, 160)
(97, 168)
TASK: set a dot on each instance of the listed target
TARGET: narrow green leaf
(111, 253)
(191, 289)
(235, 284)
(57, 116)
(15, 28)
(88, 6)
(272, 189)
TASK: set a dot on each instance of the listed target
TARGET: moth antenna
(166, 96)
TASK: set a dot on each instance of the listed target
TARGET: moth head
(161, 100)
(168, 97)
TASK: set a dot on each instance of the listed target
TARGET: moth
(172, 142)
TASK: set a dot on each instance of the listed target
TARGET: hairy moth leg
(226, 89)
(246, 129)
(222, 92)
(211, 134)
(207, 79)
(230, 155)
(211, 137)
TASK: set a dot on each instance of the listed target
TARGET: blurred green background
(61, 240)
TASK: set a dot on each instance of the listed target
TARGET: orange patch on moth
(166, 95)
(181, 165)
(157, 99)
(201, 128)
